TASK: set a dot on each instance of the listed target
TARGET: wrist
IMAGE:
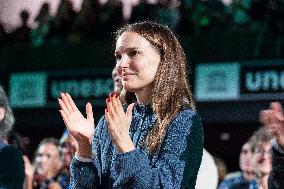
(84, 150)
(276, 146)
(125, 146)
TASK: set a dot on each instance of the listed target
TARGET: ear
(2, 113)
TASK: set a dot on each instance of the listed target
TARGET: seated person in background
(126, 97)
(260, 164)
(11, 161)
(117, 84)
(46, 168)
(222, 169)
(246, 166)
(273, 121)
(261, 157)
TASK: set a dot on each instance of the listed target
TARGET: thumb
(27, 162)
(89, 112)
(129, 110)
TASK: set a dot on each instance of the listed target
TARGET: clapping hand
(81, 129)
(119, 123)
(273, 120)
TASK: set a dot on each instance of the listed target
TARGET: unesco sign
(42, 89)
(262, 82)
(240, 81)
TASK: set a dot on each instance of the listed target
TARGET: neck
(263, 181)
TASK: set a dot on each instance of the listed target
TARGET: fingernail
(111, 95)
(108, 99)
(116, 95)
(106, 110)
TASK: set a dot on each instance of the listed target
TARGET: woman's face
(138, 61)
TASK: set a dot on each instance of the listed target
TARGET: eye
(133, 53)
(117, 57)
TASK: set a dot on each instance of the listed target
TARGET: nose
(123, 62)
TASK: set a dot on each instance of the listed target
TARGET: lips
(127, 75)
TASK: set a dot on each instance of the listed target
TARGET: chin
(129, 88)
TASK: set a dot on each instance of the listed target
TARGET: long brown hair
(171, 92)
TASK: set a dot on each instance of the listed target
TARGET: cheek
(136, 66)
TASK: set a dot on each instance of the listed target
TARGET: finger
(110, 109)
(111, 129)
(114, 102)
(89, 112)
(26, 160)
(277, 107)
(129, 110)
(118, 102)
(279, 116)
(65, 119)
(108, 118)
(71, 102)
(66, 102)
(106, 115)
(263, 117)
(63, 107)
(270, 117)
(117, 107)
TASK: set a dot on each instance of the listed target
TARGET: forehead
(264, 145)
(48, 148)
(131, 40)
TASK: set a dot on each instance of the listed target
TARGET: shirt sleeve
(178, 160)
(86, 173)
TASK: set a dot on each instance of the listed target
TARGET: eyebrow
(127, 49)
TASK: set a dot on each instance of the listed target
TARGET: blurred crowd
(49, 166)
(190, 17)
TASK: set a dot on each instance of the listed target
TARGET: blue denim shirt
(174, 166)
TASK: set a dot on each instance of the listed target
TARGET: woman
(155, 143)
(11, 160)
